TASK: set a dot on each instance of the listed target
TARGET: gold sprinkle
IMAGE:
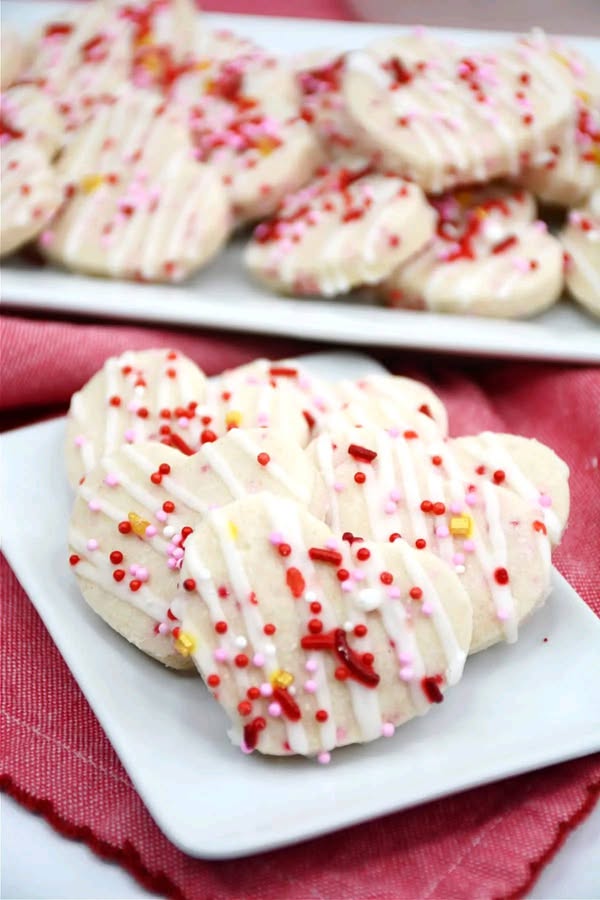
(138, 524)
(202, 64)
(233, 417)
(461, 526)
(584, 95)
(91, 183)
(233, 530)
(281, 679)
(185, 644)
(266, 145)
(481, 213)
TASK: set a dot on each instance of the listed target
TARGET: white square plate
(223, 296)
(517, 707)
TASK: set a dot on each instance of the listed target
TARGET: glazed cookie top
(26, 110)
(452, 116)
(308, 643)
(348, 227)
(387, 485)
(319, 75)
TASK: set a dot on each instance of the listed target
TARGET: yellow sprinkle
(281, 679)
(480, 212)
(584, 95)
(91, 183)
(266, 145)
(202, 64)
(138, 524)
(233, 530)
(185, 644)
(144, 40)
(595, 155)
(561, 58)
(461, 526)
(233, 417)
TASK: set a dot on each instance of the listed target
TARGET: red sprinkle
(410, 435)
(168, 506)
(263, 459)
(415, 593)
(284, 549)
(315, 626)
(343, 574)
(499, 476)
(321, 715)
(386, 577)
(213, 681)
(394, 537)
(360, 630)
(295, 581)
(241, 660)
(124, 527)
(505, 244)
(244, 708)
(115, 400)
(439, 509)
(221, 627)
(431, 688)
(156, 478)
(539, 526)
(289, 707)
(119, 574)
(164, 468)
(360, 477)
(427, 506)
(189, 584)
(283, 372)
(74, 559)
(420, 544)
(207, 436)
(501, 575)
(116, 557)
(269, 628)
(135, 585)
(322, 554)
(358, 452)
(363, 553)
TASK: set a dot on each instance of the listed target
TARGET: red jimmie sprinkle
(310, 419)
(337, 642)
(539, 526)
(363, 453)
(431, 688)
(322, 554)
(295, 581)
(289, 707)
(175, 441)
(505, 244)
(283, 372)
(252, 731)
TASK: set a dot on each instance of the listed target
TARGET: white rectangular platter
(517, 708)
(222, 296)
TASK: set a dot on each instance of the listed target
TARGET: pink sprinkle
(426, 608)
(161, 515)
(310, 686)
(521, 264)
(274, 709)
(405, 658)
(163, 628)
(469, 545)
(176, 539)
(150, 531)
(471, 499)
(276, 538)
(503, 615)
(395, 495)
(111, 479)
(262, 419)
(390, 508)
(442, 531)
(545, 500)
(183, 422)
(406, 673)
(456, 508)
(92, 544)
(393, 432)
(46, 238)
(80, 440)
(540, 226)
(258, 660)
(331, 543)
(347, 586)
(324, 757)
(245, 748)
(266, 689)
(142, 574)
(458, 558)
(94, 505)
(338, 487)
(133, 569)
(178, 553)
(133, 406)
(393, 592)
(220, 654)
(172, 563)
(310, 665)
(387, 729)
(130, 436)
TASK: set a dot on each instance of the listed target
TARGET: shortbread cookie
(12, 56)
(486, 259)
(137, 205)
(29, 190)
(161, 395)
(243, 118)
(455, 117)
(581, 241)
(306, 643)
(386, 485)
(135, 511)
(316, 396)
(320, 77)
(347, 228)
(26, 109)
(386, 401)
(569, 171)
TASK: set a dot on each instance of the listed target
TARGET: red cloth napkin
(485, 843)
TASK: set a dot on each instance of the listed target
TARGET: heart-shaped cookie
(387, 484)
(162, 395)
(311, 642)
(581, 240)
(135, 510)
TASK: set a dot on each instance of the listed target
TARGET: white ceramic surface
(517, 708)
(222, 296)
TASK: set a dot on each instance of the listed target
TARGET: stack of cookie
(323, 554)
(136, 142)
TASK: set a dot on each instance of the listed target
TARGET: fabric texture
(55, 759)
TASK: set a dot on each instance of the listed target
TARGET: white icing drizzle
(325, 464)
(273, 468)
(175, 489)
(501, 594)
(223, 470)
